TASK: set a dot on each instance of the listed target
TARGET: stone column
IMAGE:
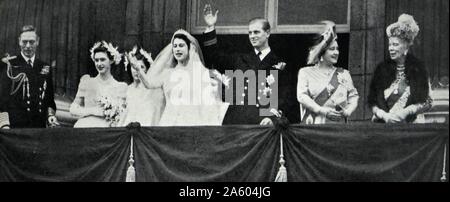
(366, 49)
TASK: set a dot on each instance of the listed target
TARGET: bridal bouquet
(111, 109)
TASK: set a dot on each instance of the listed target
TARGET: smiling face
(331, 55)
(398, 48)
(102, 62)
(28, 42)
(180, 50)
(258, 37)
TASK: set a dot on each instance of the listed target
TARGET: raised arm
(210, 18)
(214, 59)
(150, 79)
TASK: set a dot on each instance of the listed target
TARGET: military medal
(44, 86)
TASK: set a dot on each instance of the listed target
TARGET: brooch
(280, 65)
(45, 70)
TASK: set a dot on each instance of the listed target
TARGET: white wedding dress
(191, 99)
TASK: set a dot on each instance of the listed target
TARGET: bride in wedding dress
(192, 97)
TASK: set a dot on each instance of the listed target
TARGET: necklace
(325, 70)
(400, 67)
(400, 77)
(400, 72)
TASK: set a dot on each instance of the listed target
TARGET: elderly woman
(325, 92)
(399, 89)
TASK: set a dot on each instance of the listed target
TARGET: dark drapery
(360, 152)
(207, 154)
(365, 152)
(63, 155)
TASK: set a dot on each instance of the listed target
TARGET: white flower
(112, 109)
(96, 45)
(107, 112)
(117, 57)
(45, 70)
(270, 79)
(280, 65)
(147, 56)
(267, 91)
(221, 77)
(132, 55)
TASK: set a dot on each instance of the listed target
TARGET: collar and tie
(30, 62)
(259, 55)
(262, 53)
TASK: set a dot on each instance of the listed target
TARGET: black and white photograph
(224, 91)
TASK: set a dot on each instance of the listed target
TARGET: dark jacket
(27, 111)
(246, 113)
(384, 76)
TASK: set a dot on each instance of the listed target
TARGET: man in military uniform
(247, 106)
(26, 86)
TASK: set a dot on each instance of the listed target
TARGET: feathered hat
(328, 36)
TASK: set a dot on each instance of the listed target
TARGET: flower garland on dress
(117, 56)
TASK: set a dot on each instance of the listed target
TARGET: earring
(321, 59)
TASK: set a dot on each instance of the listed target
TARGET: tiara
(117, 57)
(181, 31)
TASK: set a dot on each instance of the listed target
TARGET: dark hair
(184, 38)
(264, 22)
(28, 28)
(102, 49)
(139, 56)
